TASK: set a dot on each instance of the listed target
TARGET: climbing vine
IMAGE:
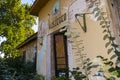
(105, 23)
(101, 15)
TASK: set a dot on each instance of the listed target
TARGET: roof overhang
(33, 37)
(37, 5)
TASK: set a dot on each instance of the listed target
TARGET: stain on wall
(90, 43)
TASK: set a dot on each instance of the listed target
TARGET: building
(28, 49)
(55, 50)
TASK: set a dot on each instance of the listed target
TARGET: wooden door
(61, 60)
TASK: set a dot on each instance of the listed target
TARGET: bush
(15, 69)
(39, 77)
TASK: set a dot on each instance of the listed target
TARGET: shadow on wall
(41, 56)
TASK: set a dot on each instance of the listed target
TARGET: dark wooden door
(61, 59)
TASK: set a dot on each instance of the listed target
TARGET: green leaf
(108, 63)
(89, 64)
(105, 59)
(95, 9)
(89, 68)
(114, 45)
(114, 72)
(104, 31)
(88, 59)
(105, 37)
(117, 53)
(100, 57)
(111, 78)
(113, 56)
(110, 50)
(102, 22)
(77, 68)
(84, 67)
(112, 38)
(107, 44)
(97, 14)
(103, 26)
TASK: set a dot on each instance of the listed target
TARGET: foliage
(105, 23)
(39, 77)
(77, 74)
(112, 71)
(15, 25)
(59, 78)
(105, 66)
(99, 14)
(14, 69)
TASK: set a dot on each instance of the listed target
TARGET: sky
(27, 1)
(35, 28)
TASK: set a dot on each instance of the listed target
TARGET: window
(56, 7)
(24, 56)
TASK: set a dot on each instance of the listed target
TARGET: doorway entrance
(60, 52)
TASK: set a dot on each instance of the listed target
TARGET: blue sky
(27, 1)
(30, 2)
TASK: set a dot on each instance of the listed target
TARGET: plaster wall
(30, 49)
(114, 11)
(46, 15)
(90, 43)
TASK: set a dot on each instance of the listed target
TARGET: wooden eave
(33, 37)
(37, 5)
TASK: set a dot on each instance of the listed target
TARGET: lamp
(84, 26)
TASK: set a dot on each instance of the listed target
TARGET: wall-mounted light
(83, 15)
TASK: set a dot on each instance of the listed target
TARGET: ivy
(105, 24)
(105, 37)
(107, 44)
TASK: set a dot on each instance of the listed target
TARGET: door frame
(66, 52)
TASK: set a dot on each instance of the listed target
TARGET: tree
(15, 25)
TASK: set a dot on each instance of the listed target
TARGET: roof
(37, 5)
(33, 37)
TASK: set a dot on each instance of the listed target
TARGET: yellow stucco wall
(44, 17)
(91, 41)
